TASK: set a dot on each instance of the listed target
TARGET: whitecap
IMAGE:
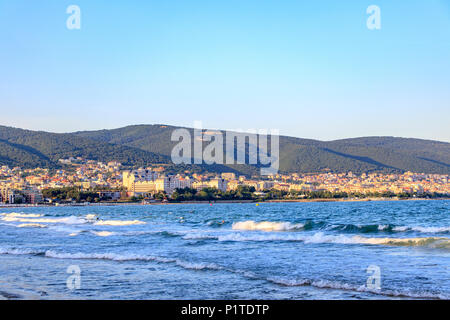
(66, 220)
(103, 233)
(266, 226)
(22, 215)
(31, 225)
(118, 222)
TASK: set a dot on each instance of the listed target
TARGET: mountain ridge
(142, 145)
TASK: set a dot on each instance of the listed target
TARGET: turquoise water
(228, 251)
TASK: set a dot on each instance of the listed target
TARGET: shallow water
(228, 251)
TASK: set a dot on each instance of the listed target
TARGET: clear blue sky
(309, 68)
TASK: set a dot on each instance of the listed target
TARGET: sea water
(321, 250)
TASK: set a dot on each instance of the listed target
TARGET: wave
(390, 228)
(31, 225)
(13, 251)
(422, 229)
(103, 233)
(320, 237)
(198, 236)
(216, 223)
(430, 242)
(267, 226)
(251, 225)
(326, 284)
(369, 228)
(22, 215)
(359, 288)
(113, 257)
(132, 257)
(90, 218)
(118, 222)
(66, 220)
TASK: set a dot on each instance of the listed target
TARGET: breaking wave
(90, 218)
(31, 225)
(14, 251)
(103, 233)
(22, 215)
(66, 220)
(212, 266)
(267, 226)
(351, 287)
(423, 229)
(386, 228)
(320, 237)
(322, 225)
(430, 242)
(132, 257)
(118, 222)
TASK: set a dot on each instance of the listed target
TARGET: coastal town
(91, 181)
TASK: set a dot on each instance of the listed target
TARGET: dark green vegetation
(143, 145)
(68, 194)
(31, 149)
(71, 194)
(242, 193)
(248, 193)
(210, 194)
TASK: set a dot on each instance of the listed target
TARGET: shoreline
(6, 206)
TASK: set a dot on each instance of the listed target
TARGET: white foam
(66, 220)
(401, 228)
(31, 225)
(422, 229)
(320, 237)
(212, 266)
(259, 237)
(106, 256)
(65, 229)
(91, 217)
(103, 233)
(266, 226)
(198, 236)
(359, 288)
(22, 215)
(198, 266)
(118, 222)
(13, 251)
(132, 257)
(431, 229)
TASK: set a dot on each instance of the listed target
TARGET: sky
(311, 69)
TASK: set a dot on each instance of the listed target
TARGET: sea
(307, 250)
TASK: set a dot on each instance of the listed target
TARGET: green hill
(384, 154)
(141, 145)
(28, 148)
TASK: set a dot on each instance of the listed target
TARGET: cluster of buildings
(143, 181)
(25, 186)
(407, 182)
